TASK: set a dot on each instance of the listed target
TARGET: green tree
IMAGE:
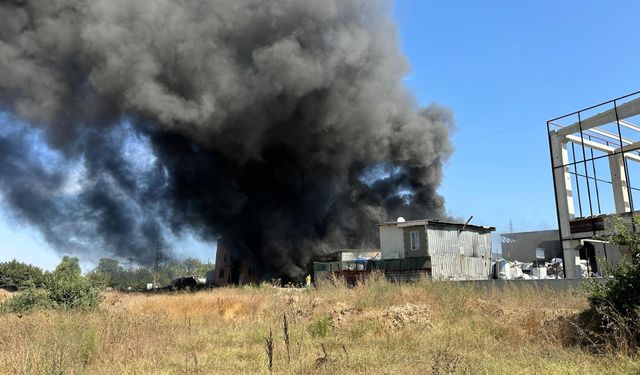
(68, 289)
(195, 267)
(64, 288)
(109, 266)
(99, 279)
(69, 266)
(108, 273)
(20, 274)
(137, 279)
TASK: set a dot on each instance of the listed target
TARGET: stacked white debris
(582, 270)
(515, 270)
(539, 272)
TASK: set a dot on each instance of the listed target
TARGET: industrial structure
(595, 155)
(233, 270)
(541, 245)
(444, 250)
(456, 250)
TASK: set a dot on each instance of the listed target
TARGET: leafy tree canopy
(20, 274)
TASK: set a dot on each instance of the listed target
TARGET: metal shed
(458, 251)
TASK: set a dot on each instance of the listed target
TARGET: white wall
(391, 242)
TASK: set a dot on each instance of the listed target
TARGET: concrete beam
(624, 110)
(605, 148)
(631, 147)
(629, 125)
(610, 135)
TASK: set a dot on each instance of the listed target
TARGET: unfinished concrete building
(595, 158)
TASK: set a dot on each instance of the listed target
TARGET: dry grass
(4, 294)
(375, 328)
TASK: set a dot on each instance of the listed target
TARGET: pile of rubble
(506, 270)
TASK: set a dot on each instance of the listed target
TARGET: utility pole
(156, 258)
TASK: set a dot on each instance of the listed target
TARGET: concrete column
(564, 193)
(619, 183)
(564, 196)
(570, 251)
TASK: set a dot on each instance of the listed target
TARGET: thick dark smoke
(282, 125)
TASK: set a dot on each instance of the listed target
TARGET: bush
(614, 314)
(68, 288)
(27, 300)
(65, 288)
(71, 292)
(20, 274)
(321, 326)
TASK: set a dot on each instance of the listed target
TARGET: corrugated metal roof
(436, 222)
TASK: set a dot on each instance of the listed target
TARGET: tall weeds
(375, 327)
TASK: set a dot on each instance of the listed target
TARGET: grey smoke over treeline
(283, 126)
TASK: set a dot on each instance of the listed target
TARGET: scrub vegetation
(374, 328)
(65, 288)
(612, 321)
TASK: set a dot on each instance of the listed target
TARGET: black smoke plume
(283, 126)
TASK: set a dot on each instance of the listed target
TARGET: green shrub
(321, 326)
(65, 288)
(28, 299)
(20, 274)
(69, 291)
(614, 313)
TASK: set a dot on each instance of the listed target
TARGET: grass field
(375, 328)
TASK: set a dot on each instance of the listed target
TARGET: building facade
(233, 270)
(457, 251)
(542, 245)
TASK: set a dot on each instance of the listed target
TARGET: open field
(375, 328)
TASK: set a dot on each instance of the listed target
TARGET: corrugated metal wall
(452, 267)
(458, 255)
(391, 242)
(448, 241)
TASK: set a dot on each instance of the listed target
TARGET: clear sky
(505, 68)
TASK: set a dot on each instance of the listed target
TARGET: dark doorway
(235, 272)
(588, 253)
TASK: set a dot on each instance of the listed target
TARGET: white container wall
(391, 242)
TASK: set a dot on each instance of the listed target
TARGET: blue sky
(505, 68)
